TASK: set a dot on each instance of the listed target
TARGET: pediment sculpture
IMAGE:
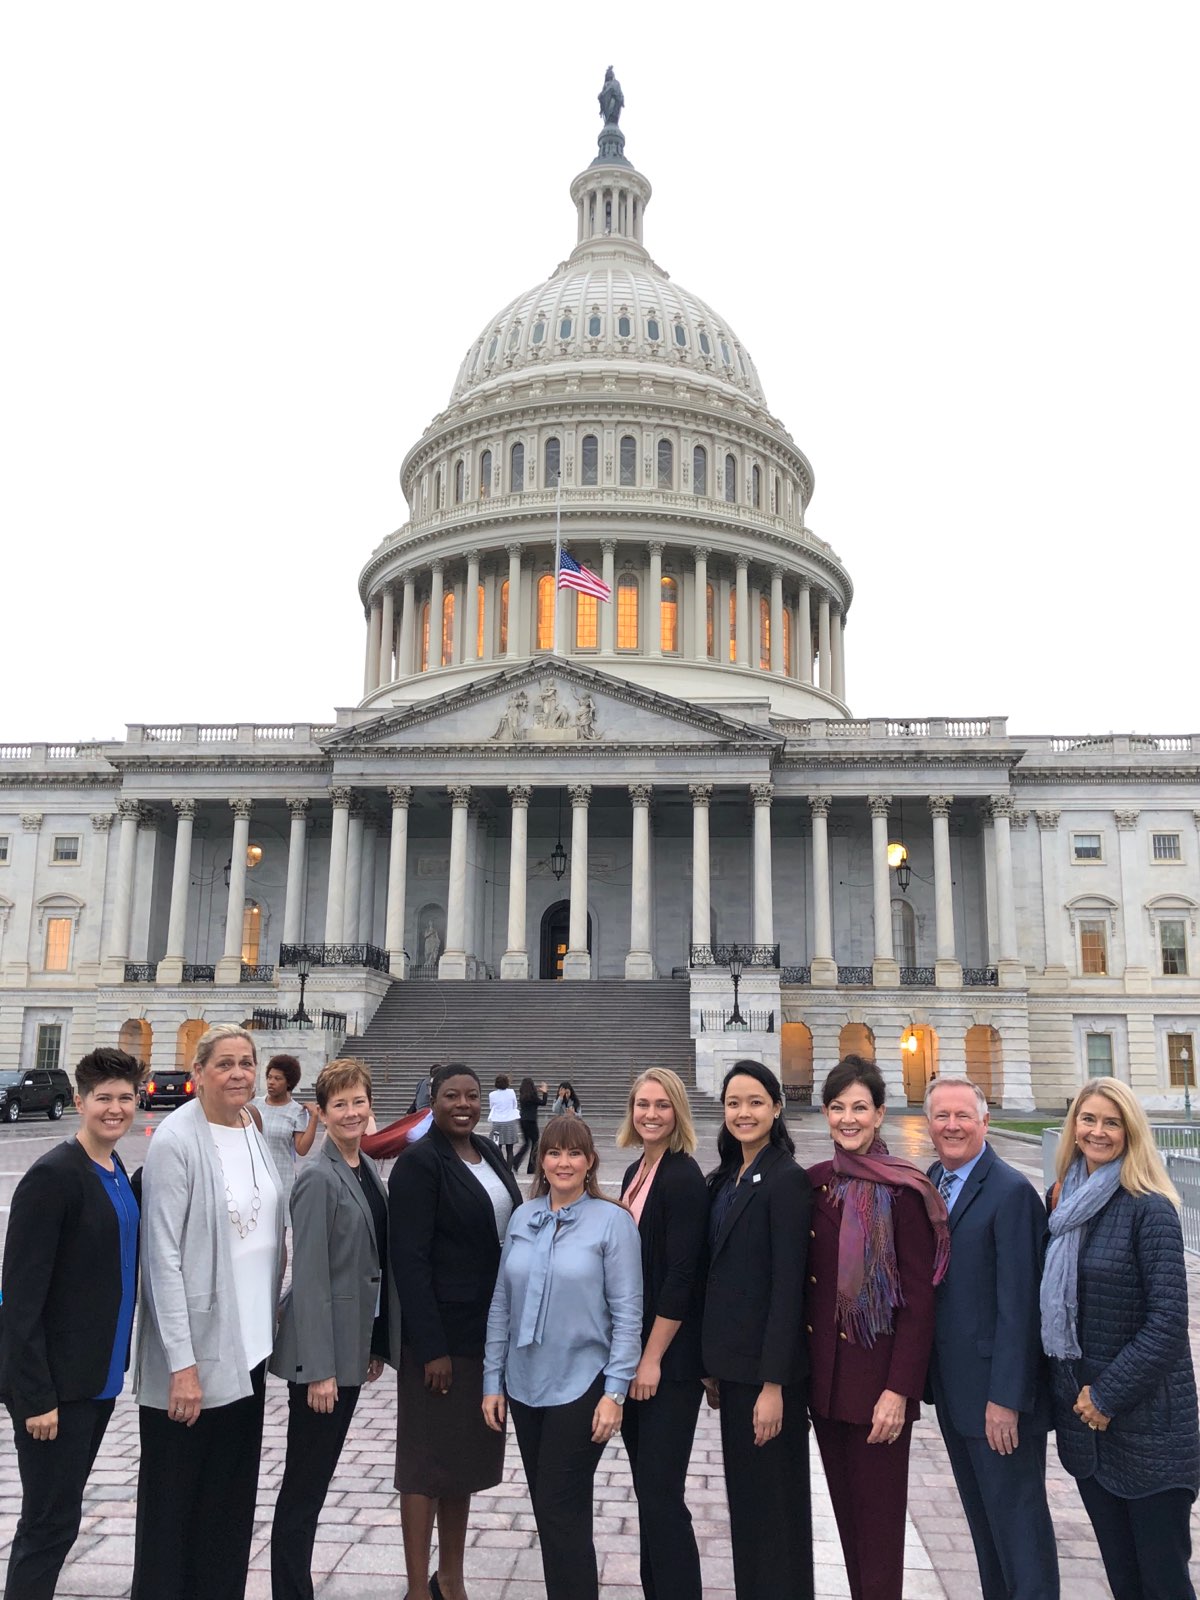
(545, 718)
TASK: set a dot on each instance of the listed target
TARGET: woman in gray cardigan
(211, 1265)
(341, 1317)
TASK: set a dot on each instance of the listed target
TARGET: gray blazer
(328, 1313)
(187, 1303)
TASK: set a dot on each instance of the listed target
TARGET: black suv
(166, 1089)
(34, 1089)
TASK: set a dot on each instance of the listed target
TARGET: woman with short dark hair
(289, 1126)
(70, 1266)
(504, 1116)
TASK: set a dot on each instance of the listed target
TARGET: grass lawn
(1025, 1124)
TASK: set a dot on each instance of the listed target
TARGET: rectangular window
(4, 844)
(1172, 941)
(587, 623)
(504, 618)
(627, 614)
(49, 1046)
(1181, 1060)
(1086, 847)
(629, 462)
(1166, 847)
(1099, 1055)
(1093, 949)
(58, 944)
(65, 849)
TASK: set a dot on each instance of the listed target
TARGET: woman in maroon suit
(879, 1245)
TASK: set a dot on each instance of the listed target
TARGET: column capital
(185, 809)
(819, 804)
(776, 573)
(701, 794)
(939, 804)
(741, 561)
(358, 806)
(1020, 820)
(701, 552)
(340, 798)
(1047, 821)
(241, 809)
(298, 804)
(1000, 805)
(581, 794)
(608, 547)
(438, 566)
(656, 547)
(641, 793)
(460, 795)
(407, 576)
(762, 793)
(472, 555)
(102, 821)
(514, 549)
(878, 805)
(31, 821)
(127, 810)
(519, 794)
(1126, 820)
(400, 794)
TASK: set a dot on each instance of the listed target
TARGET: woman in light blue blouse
(563, 1341)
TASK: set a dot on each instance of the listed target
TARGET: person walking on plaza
(987, 1376)
(504, 1117)
(70, 1267)
(753, 1342)
(288, 1126)
(666, 1193)
(563, 1341)
(1115, 1324)
(212, 1261)
(450, 1197)
(529, 1098)
(879, 1246)
(341, 1317)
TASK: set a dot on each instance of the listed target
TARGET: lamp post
(558, 856)
(736, 1018)
(302, 968)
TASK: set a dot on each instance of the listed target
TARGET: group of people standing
(840, 1296)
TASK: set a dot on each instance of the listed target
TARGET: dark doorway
(556, 933)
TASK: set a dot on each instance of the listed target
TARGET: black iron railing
(798, 1093)
(271, 1017)
(140, 971)
(795, 974)
(195, 974)
(426, 970)
(257, 972)
(749, 1022)
(718, 955)
(917, 977)
(334, 955)
(980, 978)
(849, 977)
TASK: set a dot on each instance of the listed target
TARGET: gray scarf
(1080, 1199)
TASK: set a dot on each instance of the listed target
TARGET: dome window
(668, 616)
(564, 328)
(666, 464)
(458, 482)
(491, 355)
(514, 337)
(516, 468)
(590, 453)
(756, 488)
(624, 327)
(730, 479)
(594, 326)
(705, 344)
(700, 470)
(475, 359)
(725, 356)
(553, 463)
(742, 362)
(485, 474)
(628, 462)
(681, 335)
(538, 335)
(652, 330)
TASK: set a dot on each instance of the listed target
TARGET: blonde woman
(1115, 1325)
(668, 1197)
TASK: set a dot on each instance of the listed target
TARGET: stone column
(885, 970)
(471, 886)
(577, 963)
(335, 895)
(804, 634)
(229, 968)
(948, 972)
(515, 961)
(470, 650)
(374, 633)
(701, 794)
(764, 909)
(654, 602)
(776, 656)
(366, 891)
(1138, 967)
(400, 795)
(387, 637)
(700, 607)
(608, 608)
(293, 900)
(354, 844)
(130, 813)
(479, 940)
(170, 968)
(436, 595)
(514, 600)
(742, 612)
(1010, 969)
(453, 963)
(824, 663)
(1052, 908)
(639, 963)
(838, 651)
(824, 967)
(405, 653)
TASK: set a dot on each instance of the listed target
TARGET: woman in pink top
(668, 1197)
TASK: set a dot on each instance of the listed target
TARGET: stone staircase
(599, 1035)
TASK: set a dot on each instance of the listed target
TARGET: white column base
(515, 964)
(885, 973)
(1137, 980)
(229, 970)
(1010, 974)
(823, 972)
(639, 964)
(170, 970)
(112, 970)
(398, 963)
(453, 964)
(577, 964)
(947, 975)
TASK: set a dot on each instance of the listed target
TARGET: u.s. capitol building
(536, 784)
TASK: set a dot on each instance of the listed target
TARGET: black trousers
(54, 1473)
(314, 1443)
(1145, 1544)
(658, 1435)
(560, 1465)
(529, 1144)
(197, 1489)
(1004, 1498)
(770, 1511)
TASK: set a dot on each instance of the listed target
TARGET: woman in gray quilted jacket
(1115, 1326)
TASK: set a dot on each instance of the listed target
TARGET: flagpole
(557, 559)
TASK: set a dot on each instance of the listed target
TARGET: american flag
(573, 576)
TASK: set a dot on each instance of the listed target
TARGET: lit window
(666, 464)
(504, 618)
(730, 479)
(251, 932)
(732, 623)
(627, 612)
(448, 627)
(700, 469)
(624, 327)
(1093, 949)
(5, 840)
(590, 456)
(58, 944)
(669, 609)
(48, 1051)
(788, 625)
(755, 488)
(764, 634)
(1166, 847)
(629, 462)
(1099, 1055)
(652, 330)
(1181, 1060)
(564, 328)
(710, 620)
(425, 637)
(553, 459)
(1086, 846)
(538, 334)
(594, 326)
(65, 850)
(680, 335)
(459, 478)
(545, 612)
(1172, 941)
(587, 622)
(479, 598)
(485, 474)
(516, 468)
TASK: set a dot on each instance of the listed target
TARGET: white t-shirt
(242, 1166)
(502, 1106)
(488, 1178)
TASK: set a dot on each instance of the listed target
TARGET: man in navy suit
(986, 1374)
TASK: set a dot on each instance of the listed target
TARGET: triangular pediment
(549, 703)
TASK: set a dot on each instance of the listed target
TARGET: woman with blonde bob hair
(1115, 1326)
(666, 1193)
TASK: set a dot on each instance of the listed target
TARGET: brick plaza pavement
(359, 1555)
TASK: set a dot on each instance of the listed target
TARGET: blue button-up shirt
(567, 1304)
(960, 1174)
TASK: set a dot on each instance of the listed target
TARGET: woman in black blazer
(450, 1198)
(70, 1274)
(753, 1341)
(666, 1193)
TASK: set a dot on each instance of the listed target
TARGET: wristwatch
(617, 1399)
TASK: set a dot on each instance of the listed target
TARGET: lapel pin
(757, 1178)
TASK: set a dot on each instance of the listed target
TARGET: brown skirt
(444, 1448)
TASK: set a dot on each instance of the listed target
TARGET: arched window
(700, 470)
(788, 625)
(516, 468)
(437, 491)
(627, 612)
(480, 633)
(731, 478)
(590, 459)
(485, 474)
(904, 933)
(710, 621)
(459, 474)
(251, 932)
(669, 612)
(732, 623)
(448, 627)
(775, 493)
(545, 612)
(552, 454)
(629, 462)
(504, 618)
(764, 633)
(425, 637)
(755, 488)
(666, 464)
(587, 622)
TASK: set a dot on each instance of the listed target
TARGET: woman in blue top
(563, 1341)
(70, 1266)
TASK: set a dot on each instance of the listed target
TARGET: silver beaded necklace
(244, 1229)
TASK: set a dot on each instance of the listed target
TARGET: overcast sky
(246, 247)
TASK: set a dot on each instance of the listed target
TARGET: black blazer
(753, 1328)
(674, 1236)
(62, 1284)
(443, 1245)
